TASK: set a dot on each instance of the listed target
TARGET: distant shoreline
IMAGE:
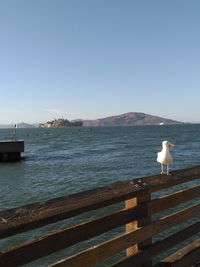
(126, 119)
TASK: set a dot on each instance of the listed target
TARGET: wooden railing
(137, 217)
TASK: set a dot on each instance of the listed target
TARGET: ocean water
(59, 162)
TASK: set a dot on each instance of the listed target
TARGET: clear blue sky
(94, 58)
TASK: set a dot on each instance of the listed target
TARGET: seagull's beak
(172, 145)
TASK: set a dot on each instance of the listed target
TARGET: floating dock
(10, 150)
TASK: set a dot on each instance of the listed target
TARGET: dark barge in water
(10, 150)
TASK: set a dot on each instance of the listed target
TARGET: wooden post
(131, 203)
(144, 198)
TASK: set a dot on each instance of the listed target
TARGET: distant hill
(131, 118)
(26, 125)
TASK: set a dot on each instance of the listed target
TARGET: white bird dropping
(164, 157)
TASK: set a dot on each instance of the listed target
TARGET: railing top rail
(39, 214)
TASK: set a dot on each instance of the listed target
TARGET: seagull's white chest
(164, 157)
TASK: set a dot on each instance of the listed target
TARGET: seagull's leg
(168, 170)
(162, 170)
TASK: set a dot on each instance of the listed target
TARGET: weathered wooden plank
(171, 200)
(159, 182)
(39, 214)
(159, 247)
(187, 256)
(61, 239)
(96, 254)
(66, 237)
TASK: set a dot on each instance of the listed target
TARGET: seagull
(164, 156)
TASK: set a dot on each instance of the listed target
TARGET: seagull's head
(167, 144)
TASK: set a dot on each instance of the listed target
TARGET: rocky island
(60, 123)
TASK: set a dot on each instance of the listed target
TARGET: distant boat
(162, 123)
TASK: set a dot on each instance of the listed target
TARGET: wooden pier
(10, 150)
(138, 218)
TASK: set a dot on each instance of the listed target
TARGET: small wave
(48, 158)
